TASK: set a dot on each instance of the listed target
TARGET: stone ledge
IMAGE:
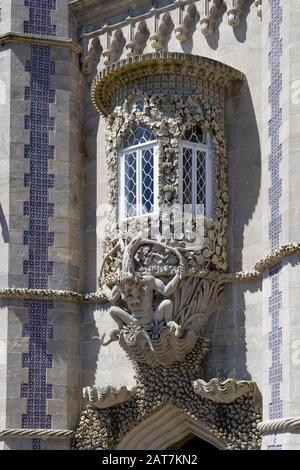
(20, 38)
(99, 297)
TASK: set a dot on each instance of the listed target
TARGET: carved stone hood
(111, 80)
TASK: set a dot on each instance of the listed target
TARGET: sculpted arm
(113, 295)
(160, 287)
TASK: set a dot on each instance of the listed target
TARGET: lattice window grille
(138, 177)
(196, 174)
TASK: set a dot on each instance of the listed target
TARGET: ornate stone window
(138, 179)
(196, 172)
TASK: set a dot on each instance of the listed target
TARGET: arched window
(196, 170)
(138, 166)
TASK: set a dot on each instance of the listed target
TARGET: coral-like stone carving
(109, 396)
(89, 62)
(115, 50)
(234, 12)
(184, 31)
(159, 39)
(137, 46)
(235, 423)
(169, 131)
(222, 391)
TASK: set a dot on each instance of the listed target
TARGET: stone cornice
(62, 295)
(20, 38)
(123, 72)
(99, 298)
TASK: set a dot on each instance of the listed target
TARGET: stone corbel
(137, 45)
(88, 62)
(223, 391)
(185, 30)
(207, 21)
(109, 396)
(114, 52)
(159, 38)
(235, 12)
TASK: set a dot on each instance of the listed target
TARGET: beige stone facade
(224, 317)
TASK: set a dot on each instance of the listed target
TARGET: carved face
(132, 293)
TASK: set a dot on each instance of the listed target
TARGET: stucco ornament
(169, 117)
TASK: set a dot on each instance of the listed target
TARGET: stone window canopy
(111, 81)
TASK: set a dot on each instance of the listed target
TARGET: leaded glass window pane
(195, 135)
(187, 177)
(148, 180)
(137, 136)
(138, 173)
(197, 180)
(201, 178)
(130, 184)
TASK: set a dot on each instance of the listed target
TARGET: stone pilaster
(40, 351)
(281, 169)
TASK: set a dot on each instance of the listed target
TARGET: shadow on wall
(90, 344)
(241, 32)
(227, 329)
(212, 40)
(4, 226)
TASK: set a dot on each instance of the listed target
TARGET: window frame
(209, 175)
(138, 150)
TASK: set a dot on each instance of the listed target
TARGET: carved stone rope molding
(36, 434)
(279, 426)
(63, 295)
(98, 297)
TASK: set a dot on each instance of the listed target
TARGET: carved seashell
(222, 392)
(108, 396)
(164, 351)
